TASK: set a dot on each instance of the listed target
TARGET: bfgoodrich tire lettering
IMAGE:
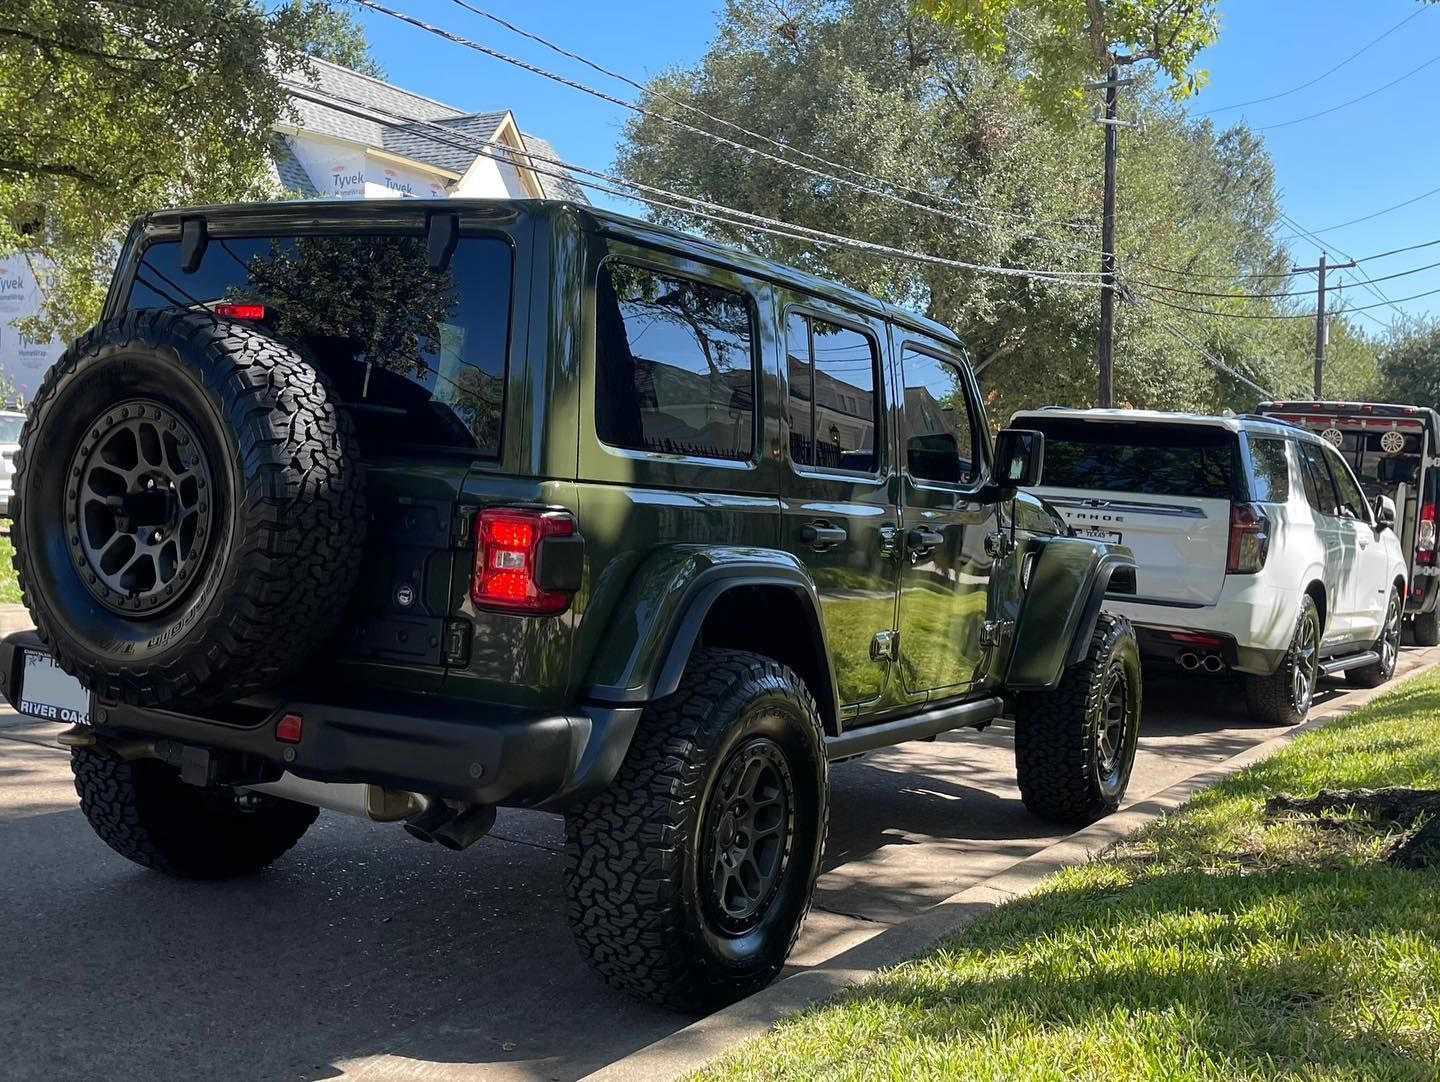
(1075, 744)
(144, 812)
(638, 863)
(281, 526)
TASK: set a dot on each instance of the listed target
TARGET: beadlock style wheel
(139, 514)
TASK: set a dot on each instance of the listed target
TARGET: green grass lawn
(1215, 945)
(9, 588)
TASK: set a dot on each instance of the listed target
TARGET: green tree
(1410, 364)
(336, 36)
(110, 108)
(1070, 42)
(884, 89)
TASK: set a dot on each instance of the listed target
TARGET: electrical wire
(1287, 315)
(1323, 75)
(780, 144)
(626, 189)
(1215, 361)
(642, 111)
(1274, 296)
(1334, 108)
(1365, 218)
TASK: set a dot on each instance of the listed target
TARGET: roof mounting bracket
(194, 238)
(442, 234)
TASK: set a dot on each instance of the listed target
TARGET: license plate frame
(1097, 534)
(48, 693)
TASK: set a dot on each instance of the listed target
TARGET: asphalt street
(367, 954)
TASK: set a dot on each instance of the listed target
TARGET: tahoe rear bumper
(424, 743)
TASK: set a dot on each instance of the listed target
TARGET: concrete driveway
(367, 954)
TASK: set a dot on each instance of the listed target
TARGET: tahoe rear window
(1145, 459)
(417, 355)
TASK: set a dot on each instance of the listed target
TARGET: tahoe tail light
(1249, 539)
(526, 561)
(1425, 535)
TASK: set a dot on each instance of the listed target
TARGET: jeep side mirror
(1384, 513)
(1019, 458)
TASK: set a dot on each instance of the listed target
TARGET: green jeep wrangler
(418, 509)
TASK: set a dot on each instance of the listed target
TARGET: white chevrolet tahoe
(1258, 552)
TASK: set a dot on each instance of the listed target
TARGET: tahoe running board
(1349, 661)
(882, 734)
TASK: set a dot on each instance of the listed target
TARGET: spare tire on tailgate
(188, 509)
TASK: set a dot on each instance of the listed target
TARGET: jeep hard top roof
(1234, 422)
(307, 214)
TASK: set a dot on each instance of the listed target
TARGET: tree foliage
(1410, 364)
(111, 108)
(1070, 42)
(882, 88)
(336, 36)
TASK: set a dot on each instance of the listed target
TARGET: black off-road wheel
(1284, 697)
(1387, 646)
(1425, 628)
(1075, 744)
(689, 877)
(189, 510)
(144, 812)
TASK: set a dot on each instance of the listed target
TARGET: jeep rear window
(674, 365)
(1197, 461)
(419, 355)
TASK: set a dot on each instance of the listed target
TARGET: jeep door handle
(922, 540)
(821, 535)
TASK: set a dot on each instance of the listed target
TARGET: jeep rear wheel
(1075, 744)
(689, 877)
(189, 514)
(144, 812)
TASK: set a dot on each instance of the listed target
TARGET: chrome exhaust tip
(1189, 661)
(1213, 663)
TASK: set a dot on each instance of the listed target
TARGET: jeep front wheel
(1075, 744)
(144, 812)
(689, 877)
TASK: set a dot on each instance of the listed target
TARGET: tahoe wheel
(1425, 628)
(144, 812)
(689, 877)
(188, 510)
(1387, 646)
(1075, 744)
(1284, 696)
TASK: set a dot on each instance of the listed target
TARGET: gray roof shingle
(288, 168)
(554, 187)
(422, 143)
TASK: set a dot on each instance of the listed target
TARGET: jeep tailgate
(1162, 490)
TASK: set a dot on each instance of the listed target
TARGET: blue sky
(1345, 165)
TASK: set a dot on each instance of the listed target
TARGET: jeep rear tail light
(1425, 535)
(526, 561)
(1249, 539)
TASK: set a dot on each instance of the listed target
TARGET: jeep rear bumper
(476, 753)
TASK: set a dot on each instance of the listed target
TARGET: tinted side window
(674, 365)
(1271, 480)
(1352, 499)
(940, 437)
(1319, 488)
(833, 405)
(428, 346)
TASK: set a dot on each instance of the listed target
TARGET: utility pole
(1111, 120)
(1320, 270)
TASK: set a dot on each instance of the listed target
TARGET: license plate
(1113, 536)
(49, 692)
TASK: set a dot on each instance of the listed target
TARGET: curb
(697, 1044)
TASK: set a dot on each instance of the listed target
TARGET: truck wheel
(189, 514)
(144, 812)
(1425, 628)
(1075, 744)
(1387, 646)
(1284, 697)
(689, 877)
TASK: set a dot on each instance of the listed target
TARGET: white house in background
(329, 152)
(374, 140)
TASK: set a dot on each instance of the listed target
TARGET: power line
(1288, 293)
(641, 110)
(1374, 291)
(1343, 104)
(1387, 302)
(1397, 251)
(780, 144)
(1323, 75)
(1216, 361)
(1365, 218)
(626, 189)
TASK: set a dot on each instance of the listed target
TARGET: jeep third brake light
(524, 560)
(253, 313)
